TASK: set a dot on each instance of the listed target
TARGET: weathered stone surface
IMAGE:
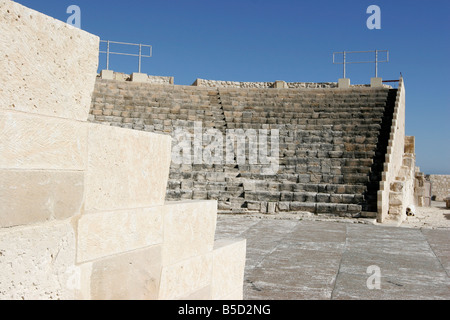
(186, 277)
(41, 142)
(328, 260)
(107, 233)
(236, 295)
(28, 197)
(440, 185)
(91, 196)
(201, 294)
(126, 168)
(189, 228)
(37, 262)
(36, 50)
(129, 276)
(228, 267)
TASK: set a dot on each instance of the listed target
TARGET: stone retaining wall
(265, 85)
(119, 76)
(260, 85)
(440, 186)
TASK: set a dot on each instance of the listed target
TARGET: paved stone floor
(303, 259)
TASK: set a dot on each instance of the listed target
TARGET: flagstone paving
(303, 259)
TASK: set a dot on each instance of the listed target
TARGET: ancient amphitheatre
(218, 190)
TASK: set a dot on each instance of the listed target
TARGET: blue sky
(290, 40)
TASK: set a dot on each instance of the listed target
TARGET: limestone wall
(266, 85)
(396, 192)
(82, 206)
(261, 85)
(440, 186)
(119, 76)
(231, 84)
(422, 189)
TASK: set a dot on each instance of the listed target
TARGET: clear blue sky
(291, 40)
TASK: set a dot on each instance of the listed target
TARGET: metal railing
(376, 61)
(139, 55)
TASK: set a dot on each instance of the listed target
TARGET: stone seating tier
(332, 142)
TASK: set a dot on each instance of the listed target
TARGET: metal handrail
(140, 55)
(345, 62)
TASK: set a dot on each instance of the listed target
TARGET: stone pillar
(280, 84)
(139, 77)
(376, 82)
(107, 75)
(344, 83)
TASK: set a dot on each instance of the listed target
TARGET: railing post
(376, 63)
(107, 56)
(140, 55)
(344, 64)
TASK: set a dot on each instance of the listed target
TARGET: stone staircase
(332, 142)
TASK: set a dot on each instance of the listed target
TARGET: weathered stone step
(237, 206)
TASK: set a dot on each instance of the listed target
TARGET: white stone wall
(146, 78)
(232, 84)
(47, 72)
(82, 206)
(440, 186)
(29, 40)
(266, 85)
(394, 157)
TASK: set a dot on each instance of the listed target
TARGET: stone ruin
(92, 195)
(339, 151)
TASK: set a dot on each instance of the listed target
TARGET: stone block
(397, 186)
(47, 66)
(37, 262)
(271, 207)
(395, 198)
(283, 206)
(303, 207)
(139, 77)
(189, 228)
(325, 207)
(323, 197)
(186, 277)
(35, 142)
(126, 168)
(287, 196)
(304, 178)
(107, 75)
(201, 294)
(280, 84)
(253, 205)
(29, 197)
(236, 295)
(249, 185)
(339, 208)
(354, 208)
(344, 83)
(107, 233)
(228, 267)
(376, 82)
(128, 276)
